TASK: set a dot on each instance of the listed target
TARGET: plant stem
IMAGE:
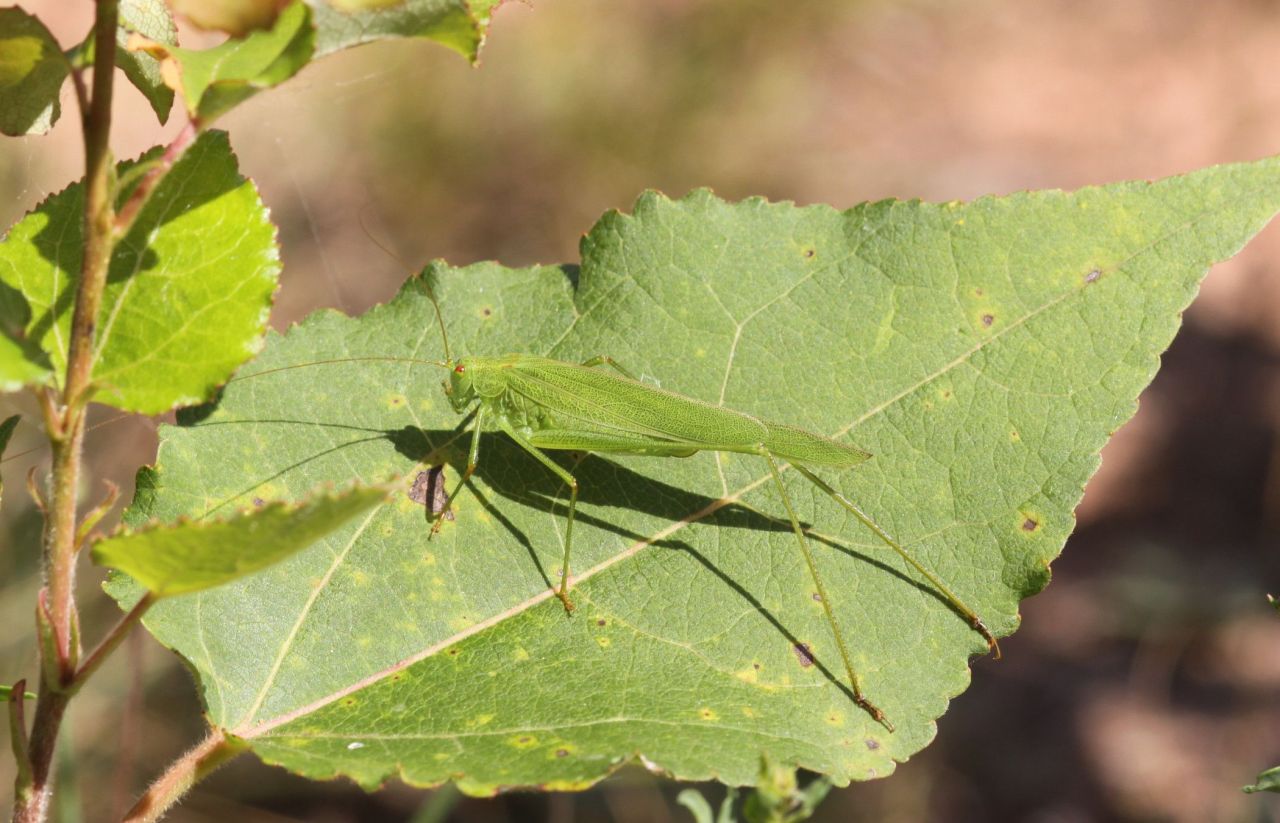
(109, 643)
(138, 197)
(32, 791)
(185, 772)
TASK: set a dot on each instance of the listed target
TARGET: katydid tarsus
(545, 405)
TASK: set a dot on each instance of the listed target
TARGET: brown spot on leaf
(1092, 276)
(428, 490)
(1030, 524)
(803, 653)
(486, 311)
(809, 253)
(602, 622)
(988, 319)
(562, 752)
(258, 501)
(872, 744)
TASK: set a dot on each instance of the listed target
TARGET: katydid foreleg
(803, 543)
(473, 459)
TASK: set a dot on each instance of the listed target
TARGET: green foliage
(457, 24)
(193, 555)
(187, 294)
(983, 353)
(216, 80)
(1268, 781)
(777, 798)
(32, 69)
(6, 431)
(151, 19)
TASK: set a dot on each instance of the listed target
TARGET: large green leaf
(188, 291)
(32, 70)
(982, 352)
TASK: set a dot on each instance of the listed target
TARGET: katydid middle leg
(572, 483)
(854, 682)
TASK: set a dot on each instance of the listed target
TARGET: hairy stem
(66, 433)
(109, 643)
(185, 772)
(142, 191)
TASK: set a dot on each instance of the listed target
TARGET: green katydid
(544, 404)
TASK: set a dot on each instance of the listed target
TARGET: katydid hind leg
(473, 459)
(572, 483)
(854, 683)
(970, 616)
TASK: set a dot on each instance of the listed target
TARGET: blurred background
(1145, 682)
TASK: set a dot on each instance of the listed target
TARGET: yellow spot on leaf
(523, 741)
(604, 641)
(708, 715)
(521, 654)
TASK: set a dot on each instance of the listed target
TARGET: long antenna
(431, 291)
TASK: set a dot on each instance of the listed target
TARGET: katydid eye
(459, 369)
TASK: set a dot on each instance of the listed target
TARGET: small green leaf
(216, 80)
(32, 69)
(152, 20)
(6, 431)
(187, 293)
(457, 24)
(5, 691)
(1268, 781)
(984, 352)
(193, 555)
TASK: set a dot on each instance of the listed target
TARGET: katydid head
(459, 386)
